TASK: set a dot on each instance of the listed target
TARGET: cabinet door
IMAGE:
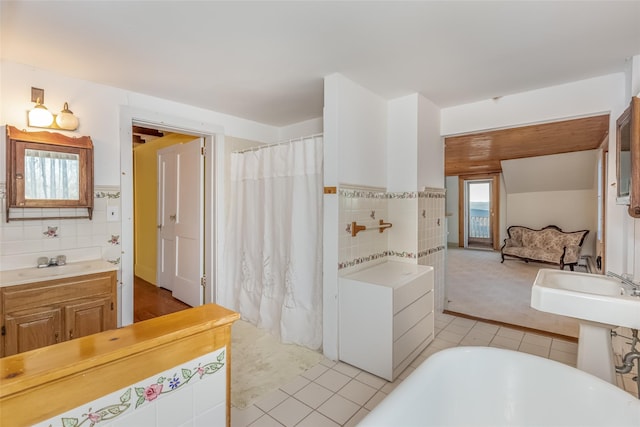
(31, 329)
(87, 316)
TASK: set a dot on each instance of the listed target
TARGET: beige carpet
(261, 364)
(479, 285)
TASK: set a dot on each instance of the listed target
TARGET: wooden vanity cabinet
(38, 314)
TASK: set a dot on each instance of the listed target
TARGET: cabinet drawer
(405, 295)
(409, 316)
(412, 339)
(20, 297)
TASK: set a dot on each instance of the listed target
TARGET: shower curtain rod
(260, 147)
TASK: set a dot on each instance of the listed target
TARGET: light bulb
(66, 120)
(39, 116)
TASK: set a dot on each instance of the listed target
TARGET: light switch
(113, 214)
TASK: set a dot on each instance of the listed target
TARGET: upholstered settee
(550, 245)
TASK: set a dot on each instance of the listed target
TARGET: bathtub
(484, 386)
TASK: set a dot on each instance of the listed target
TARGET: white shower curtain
(273, 249)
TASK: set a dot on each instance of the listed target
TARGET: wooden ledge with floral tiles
(174, 367)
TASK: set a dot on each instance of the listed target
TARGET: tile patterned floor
(337, 394)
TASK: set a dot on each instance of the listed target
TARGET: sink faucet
(50, 262)
(624, 280)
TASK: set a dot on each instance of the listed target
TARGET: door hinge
(112, 306)
(203, 151)
(4, 331)
(203, 281)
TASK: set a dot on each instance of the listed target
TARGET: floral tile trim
(372, 193)
(390, 253)
(431, 251)
(362, 260)
(143, 393)
(107, 194)
(51, 232)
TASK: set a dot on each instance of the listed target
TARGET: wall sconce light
(40, 117)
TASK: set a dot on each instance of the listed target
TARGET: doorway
(168, 213)
(478, 212)
(213, 135)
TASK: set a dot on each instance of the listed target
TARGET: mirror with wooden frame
(48, 170)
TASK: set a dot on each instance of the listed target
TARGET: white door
(166, 209)
(181, 214)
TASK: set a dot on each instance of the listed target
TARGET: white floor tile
(338, 409)
(272, 400)
(371, 380)
(313, 395)
(514, 334)
(316, 419)
(538, 340)
(315, 372)
(505, 342)
(333, 380)
(296, 385)
(534, 349)
(567, 358)
(566, 346)
(244, 417)
(266, 421)
(357, 392)
(373, 402)
(290, 412)
(353, 421)
(346, 369)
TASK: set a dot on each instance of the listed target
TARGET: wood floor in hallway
(150, 301)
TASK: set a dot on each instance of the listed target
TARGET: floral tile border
(105, 192)
(125, 401)
(371, 193)
(390, 253)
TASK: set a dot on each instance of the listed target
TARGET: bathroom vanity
(386, 317)
(40, 307)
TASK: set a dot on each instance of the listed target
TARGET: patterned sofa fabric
(550, 245)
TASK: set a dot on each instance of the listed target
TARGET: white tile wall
(418, 234)
(22, 242)
(189, 397)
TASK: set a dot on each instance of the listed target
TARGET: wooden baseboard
(512, 326)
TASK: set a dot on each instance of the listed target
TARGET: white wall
(451, 184)
(430, 155)
(402, 144)
(415, 151)
(569, 210)
(298, 130)
(605, 94)
(97, 107)
(355, 130)
(360, 123)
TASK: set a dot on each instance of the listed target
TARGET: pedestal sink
(600, 303)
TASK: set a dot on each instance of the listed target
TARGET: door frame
(213, 186)
(494, 213)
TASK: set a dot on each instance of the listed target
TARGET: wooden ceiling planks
(482, 152)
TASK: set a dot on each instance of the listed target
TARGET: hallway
(150, 301)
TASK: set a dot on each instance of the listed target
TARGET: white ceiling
(557, 172)
(265, 60)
